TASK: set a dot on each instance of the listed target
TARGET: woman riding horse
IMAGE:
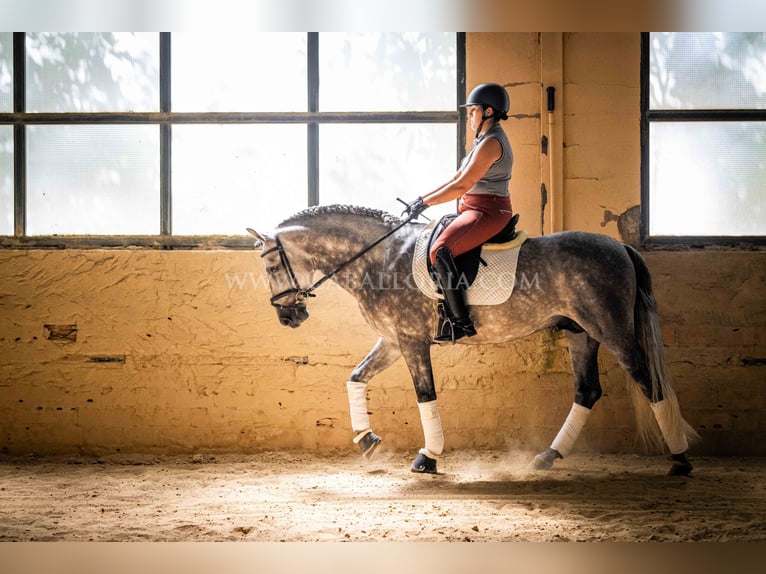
(481, 183)
(598, 292)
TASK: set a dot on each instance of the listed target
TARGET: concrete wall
(179, 351)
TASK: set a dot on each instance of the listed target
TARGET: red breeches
(481, 217)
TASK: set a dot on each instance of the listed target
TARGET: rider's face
(474, 116)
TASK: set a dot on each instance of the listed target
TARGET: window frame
(649, 116)
(165, 119)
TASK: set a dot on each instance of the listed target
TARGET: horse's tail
(649, 335)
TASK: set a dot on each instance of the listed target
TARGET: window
(92, 179)
(6, 180)
(185, 139)
(704, 137)
(6, 134)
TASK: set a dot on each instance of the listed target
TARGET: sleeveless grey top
(495, 181)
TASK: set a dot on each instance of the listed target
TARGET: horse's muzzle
(292, 316)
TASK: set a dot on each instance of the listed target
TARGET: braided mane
(319, 210)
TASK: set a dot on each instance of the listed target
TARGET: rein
(302, 294)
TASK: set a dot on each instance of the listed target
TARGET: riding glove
(415, 208)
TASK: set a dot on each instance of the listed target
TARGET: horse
(595, 289)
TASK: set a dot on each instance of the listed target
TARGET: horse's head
(289, 275)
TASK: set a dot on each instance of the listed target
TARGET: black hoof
(424, 464)
(368, 443)
(681, 465)
(544, 460)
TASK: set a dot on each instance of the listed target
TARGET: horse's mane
(319, 210)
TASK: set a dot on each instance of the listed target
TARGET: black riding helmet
(490, 95)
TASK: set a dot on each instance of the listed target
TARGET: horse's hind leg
(583, 351)
(383, 355)
(663, 406)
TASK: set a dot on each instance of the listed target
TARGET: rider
(484, 208)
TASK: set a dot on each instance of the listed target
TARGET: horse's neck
(332, 243)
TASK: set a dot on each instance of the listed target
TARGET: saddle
(468, 262)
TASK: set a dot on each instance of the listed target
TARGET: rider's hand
(415, 208)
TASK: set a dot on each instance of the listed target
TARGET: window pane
(93, 180)
(6, 180)
(229, 177)
(371, 165)
(92, 72)
(708, 178)
(387, 71)
(6, 72)
(707, 70)
(235, 72)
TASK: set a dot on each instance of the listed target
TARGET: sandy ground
(480, 496)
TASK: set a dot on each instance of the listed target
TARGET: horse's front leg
(383, 355)
(417, 354)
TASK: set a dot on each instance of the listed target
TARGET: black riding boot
(454, 321)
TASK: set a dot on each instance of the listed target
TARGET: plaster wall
(139, 350)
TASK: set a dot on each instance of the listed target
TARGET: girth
(468, 262)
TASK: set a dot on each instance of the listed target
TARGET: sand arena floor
(483, 496)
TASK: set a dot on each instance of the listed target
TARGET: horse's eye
(272, 270)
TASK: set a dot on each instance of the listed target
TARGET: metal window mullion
(19, 137)
(19, 181)
(115, 118)
(715, 115)
(461, 96)
(166, 221)
(644, 137)
(312, 127)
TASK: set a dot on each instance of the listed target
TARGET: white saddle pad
(493, 284)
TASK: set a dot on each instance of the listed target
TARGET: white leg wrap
(671, 426)
(572, 428)
(432, 429)
(357, 402)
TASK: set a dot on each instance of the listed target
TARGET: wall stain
(628, 224)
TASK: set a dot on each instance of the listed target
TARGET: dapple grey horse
(592, 287)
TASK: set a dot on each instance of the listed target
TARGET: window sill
(707, 243)
(166, 242)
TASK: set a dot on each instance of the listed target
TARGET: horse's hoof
(424, 464)
(368, 443)
(681, 465)
(544, 460)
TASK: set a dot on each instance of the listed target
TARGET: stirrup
(445, 332)
(451, 329)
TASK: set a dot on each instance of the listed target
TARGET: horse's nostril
(286, 322)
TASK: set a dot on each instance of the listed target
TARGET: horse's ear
(260, 240)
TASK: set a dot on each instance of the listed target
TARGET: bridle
(301, 294)
(294, 286)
